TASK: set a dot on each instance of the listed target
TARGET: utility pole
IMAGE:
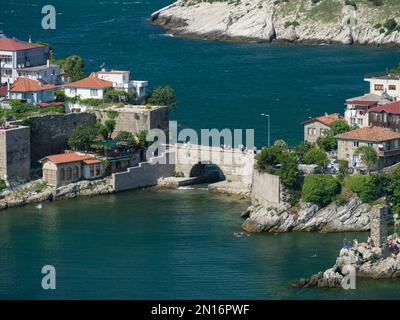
(269, 127)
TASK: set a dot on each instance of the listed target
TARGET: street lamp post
(269, 127)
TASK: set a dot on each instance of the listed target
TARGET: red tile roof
(389, 108)
(67, 157)
(91, 161)
(7, 44)
(327, 120)
(28, 85)
(90, 82)
(372, 134)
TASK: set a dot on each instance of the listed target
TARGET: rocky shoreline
(353, 215)
(70, 191)
(269, 20)
(364, 260)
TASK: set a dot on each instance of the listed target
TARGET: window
(98, 169)
(62, 174)
(93, 92)
(91, 170)
(370, 144)
(76, 172)
(356, 144)
(8, 72)
(379, 87)
(353, 120)
(360, 122)
(314, 131)
(7, 60)
(72, 91)
(69, 173)
(392, 87)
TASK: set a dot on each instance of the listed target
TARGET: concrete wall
(49, 134)
(266, 189)
(15, 153)
(137, 118)
(236, 166)
(146, 174)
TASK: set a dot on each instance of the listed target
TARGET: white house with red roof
(121, 81)
(19, 58)
(319, 126)
(65, 168)
(91, 87)
(356, 113)
(32, 91)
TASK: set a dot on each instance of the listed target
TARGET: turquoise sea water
(180, 244)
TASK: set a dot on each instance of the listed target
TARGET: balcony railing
(393, 125)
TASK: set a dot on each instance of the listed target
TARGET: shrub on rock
(320, 189)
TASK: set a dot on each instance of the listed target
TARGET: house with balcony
(386, 116)
(31, 91)
(356, 113)
(19, 58)
(319, 126)
(121, 81)
(386, 85)
(385, 142)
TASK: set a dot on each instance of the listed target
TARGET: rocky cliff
(353, 215)
(366, 261)
(312, 21)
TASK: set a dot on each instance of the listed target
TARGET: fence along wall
(146, 174)
(266, 189)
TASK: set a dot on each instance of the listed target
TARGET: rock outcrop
(361, 259)
(353, 215)
(328, 21)
(73, 190)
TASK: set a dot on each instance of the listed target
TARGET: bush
(368, 188)
(82, 137)
(3, 184)
(390, 25)
(289, 171)
(301, 150)
(316, 156)
(162, 96)
(177, 174)
(268, 157)
(393, 190)
(320, 189)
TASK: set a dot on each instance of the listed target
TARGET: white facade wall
(85, 93)
(379, 86)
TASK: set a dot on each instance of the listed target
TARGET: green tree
(281, 144)
(141, 140)
(368, 188)
(320, 189)
(73, 67)
(82, 137)
(116, 96)
(316, 156)
(339, 127)
(393, 190)
(268, 157)
(368, 156)
(124, 136)
(289, 170)
(162, 96)
(301, 150)
(110, 125)
(327, 142)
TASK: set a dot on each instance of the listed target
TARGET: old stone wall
(49, 133)
(15, 153)
(146, 174)
(266, 189)
(136, 118)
